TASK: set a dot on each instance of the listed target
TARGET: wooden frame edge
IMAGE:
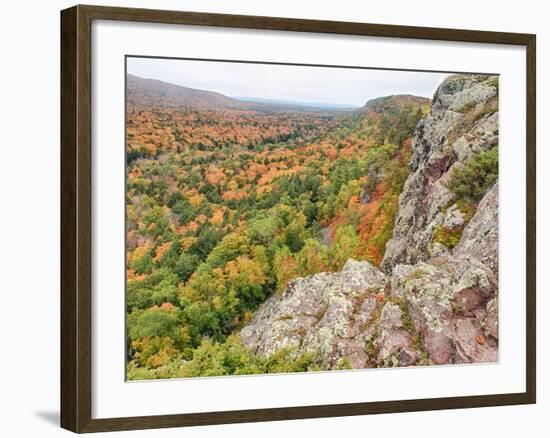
(302, 413)
(531, 218)
(68, 347)
(76, 172)
(76, 294)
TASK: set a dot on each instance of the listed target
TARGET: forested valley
(227, 202)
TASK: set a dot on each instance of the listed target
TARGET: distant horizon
(256, 99)
(288, 84)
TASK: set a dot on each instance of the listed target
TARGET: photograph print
(296, 218)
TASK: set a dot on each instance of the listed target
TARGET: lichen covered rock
(443, 311)
(463, 121)
(328, 314)
(447, 299)
(480, 237)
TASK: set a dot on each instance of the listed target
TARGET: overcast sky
(283, 82)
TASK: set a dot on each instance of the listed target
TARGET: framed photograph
(269, 218)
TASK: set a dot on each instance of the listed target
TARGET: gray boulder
(450, 301)
(327, 313)
(480, 237)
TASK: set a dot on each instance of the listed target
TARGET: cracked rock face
(444, 311)
(393, 338)
(480, 237)
(327, 313)
(449, 302)
(424, 200)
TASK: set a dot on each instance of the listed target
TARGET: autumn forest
(228, 201)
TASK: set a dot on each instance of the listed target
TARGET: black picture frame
(76, 218)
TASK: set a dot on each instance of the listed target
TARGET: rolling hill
(153, 93)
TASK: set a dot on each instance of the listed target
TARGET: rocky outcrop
(480, 237)
(429, 303)
(449, 302)
(328, 314)
(463, 120)
(441, 312)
